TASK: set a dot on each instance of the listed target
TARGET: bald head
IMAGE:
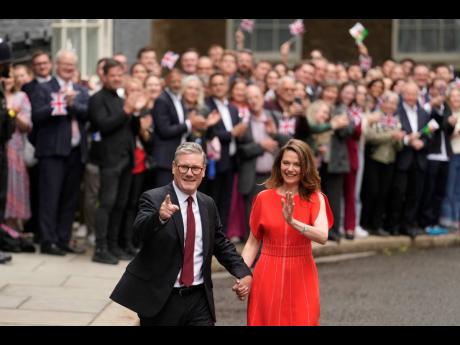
(66, 64)
(410, 93)
(255, 99)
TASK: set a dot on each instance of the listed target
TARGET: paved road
(417, 287)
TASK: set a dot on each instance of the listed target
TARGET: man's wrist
(162, 221)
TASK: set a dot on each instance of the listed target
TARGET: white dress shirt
(198, 250)
(180, 112)
(412, 116)
(76, 135)
(227, 120)
(43, 80)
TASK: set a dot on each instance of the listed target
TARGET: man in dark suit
(227, 130)
(111, 116)
(172, 125)
(411, 163)
(41, 67)
(169, 281)
(257, 149)
(61, 151)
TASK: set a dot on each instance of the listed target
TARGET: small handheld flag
(169, 60)
(431, 127)
(297, 28)
(58, 104)
(358, 32)
(247, 25)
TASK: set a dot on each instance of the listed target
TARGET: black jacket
(149, 278)
(445, 127)
(114, 126)
(53, 134)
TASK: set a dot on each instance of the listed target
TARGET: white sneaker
(81, 232)
(360, 232)
(91, 240)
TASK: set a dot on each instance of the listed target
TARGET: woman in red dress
(286, 217)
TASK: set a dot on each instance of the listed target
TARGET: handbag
(29, 153)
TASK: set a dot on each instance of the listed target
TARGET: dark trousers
(32, 224)
(405, 196)
(189, 310)
(162, 177)
(332, 186)
(137, 187)
(115, 183)
(3, 181)
(248, 198)
(220, 189)
(59, 189)
(434, 190)
(377, 182)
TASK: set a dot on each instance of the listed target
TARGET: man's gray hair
(64, 52)
(189, 147)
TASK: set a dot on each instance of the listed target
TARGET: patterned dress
(18, 200)
(285, 289)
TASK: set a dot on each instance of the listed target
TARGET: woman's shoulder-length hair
(310, 181)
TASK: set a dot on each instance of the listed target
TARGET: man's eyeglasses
(183, 169)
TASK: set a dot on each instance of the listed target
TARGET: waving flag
(247, 25)
(58, 104)
(297, 28)
(169, 60)
(358, 32)
(430, 127)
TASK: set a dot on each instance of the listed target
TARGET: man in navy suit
(172, 125)
(227, 130)
(60, 147)
(411, 163)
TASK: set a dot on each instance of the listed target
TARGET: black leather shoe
(412, 233)
(420, 231)
(349, 235)
(131, 251)
(332, 236)
(52, 249)
(381, 232)
(104, 257)
(120, 254)
(4, 257)
(73, 250)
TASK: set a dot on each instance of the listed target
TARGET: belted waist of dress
(286, 250)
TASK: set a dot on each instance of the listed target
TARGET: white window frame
(452, 58)
(295, 53)
(105, 39)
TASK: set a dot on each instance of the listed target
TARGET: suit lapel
(177, 218)
(404, 120)
(204, 225)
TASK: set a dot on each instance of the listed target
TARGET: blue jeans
(451, 203)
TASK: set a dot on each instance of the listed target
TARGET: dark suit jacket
(149, 278)
(445, 127)
(407, 155)
(167, 129)
(54, 133)
(248, 152)
(108, 117)
(225, 137)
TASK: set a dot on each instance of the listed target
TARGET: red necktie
(186, 277)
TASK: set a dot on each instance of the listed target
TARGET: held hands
(242, 287)
(452, 120)
(398, 135)
(340, 121)
(270, 127)
(198, 121)
(288, 207)
(363, 49)
(269, 145)
(70, 96)
(167, 208)
(213, 118)
(135, 102)
(239, 130)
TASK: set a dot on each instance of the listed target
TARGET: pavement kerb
(373, 243)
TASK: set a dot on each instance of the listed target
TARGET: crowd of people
(386, 141)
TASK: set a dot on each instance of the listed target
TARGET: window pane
(264, 40)
(56, 41)
(406, 41)
(73, 41)
(92, 40)
(407, 22)
(430, 22)
(429, 41)
(284, 35)
(449, 40)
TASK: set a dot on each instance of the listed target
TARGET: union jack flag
(247, 25)
(58, 104)
(169, 60)
(297, 28)
(287, 126)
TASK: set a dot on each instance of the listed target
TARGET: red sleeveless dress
(285, 290)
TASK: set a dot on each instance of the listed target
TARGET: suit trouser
(332, 186)
(248, 198)
(90, 199)
(32, 224)
(137, 187)
(220, 189)
(434, 190)
(378, 182)
(189, 310)
(59, 189)
(406, 193)
(113, 197)
(451, 203)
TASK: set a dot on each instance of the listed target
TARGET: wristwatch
(304, 230)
